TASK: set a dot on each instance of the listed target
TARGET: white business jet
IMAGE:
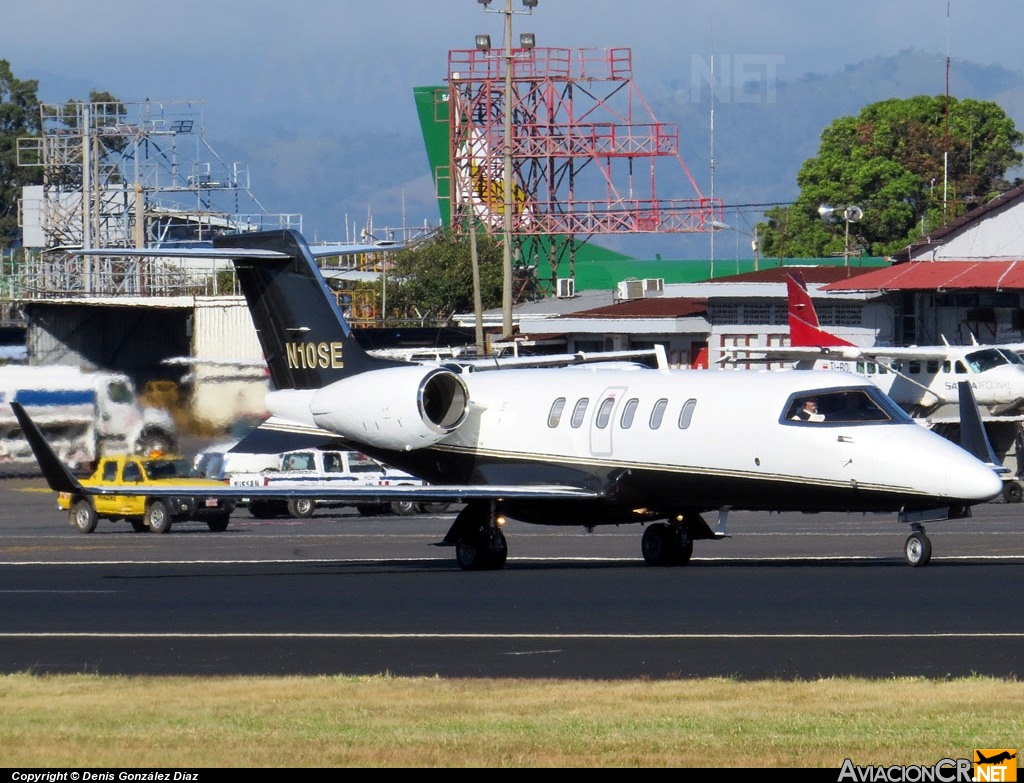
(584, 445)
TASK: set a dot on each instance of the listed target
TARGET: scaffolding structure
(584, 147)
(125, 175)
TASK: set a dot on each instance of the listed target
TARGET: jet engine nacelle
(401, 408)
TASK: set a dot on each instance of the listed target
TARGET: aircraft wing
(783, 353)
(430, 493)
(789, 353)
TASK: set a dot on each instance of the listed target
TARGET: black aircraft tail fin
(305, 339)
(56, 473)
(973, 437)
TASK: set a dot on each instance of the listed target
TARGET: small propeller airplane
(922, 379)
(584, 444)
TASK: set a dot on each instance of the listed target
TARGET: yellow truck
(151, 511)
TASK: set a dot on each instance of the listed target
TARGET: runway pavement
(790, 596)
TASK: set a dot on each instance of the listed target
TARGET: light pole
(850, 214)
(755, 240)
(506, 267)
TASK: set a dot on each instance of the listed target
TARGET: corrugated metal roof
(939, 276)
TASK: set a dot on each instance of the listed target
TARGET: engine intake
(397, 408)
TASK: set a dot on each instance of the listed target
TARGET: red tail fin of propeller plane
(804, 329)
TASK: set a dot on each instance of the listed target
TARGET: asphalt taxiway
(786, 596)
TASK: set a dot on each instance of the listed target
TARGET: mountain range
(343, 177)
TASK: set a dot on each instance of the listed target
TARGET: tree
(435, 279)
(19, 117)
(910, 164)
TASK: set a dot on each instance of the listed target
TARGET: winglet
(55, 472)
(972, 432)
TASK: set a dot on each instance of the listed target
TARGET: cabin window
(658, 413)
(628, 412)
(946, 366)
(686, 414)
(932, 366)
(555, 414)
(960, 367)
(109, 471)
(914, 367)
(132, 472)
(579, 412)
(604, 413)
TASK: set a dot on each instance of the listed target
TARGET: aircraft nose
(972, 481)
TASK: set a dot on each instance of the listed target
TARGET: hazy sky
(300, 66)
(364, 57)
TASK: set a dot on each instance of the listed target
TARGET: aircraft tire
(917, 550)
(158, 517)
(656, 544)
(482, 552)
(1013, 492)
(683, 552)
(83, 516)
(301, 508)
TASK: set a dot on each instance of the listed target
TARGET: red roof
(938, 276)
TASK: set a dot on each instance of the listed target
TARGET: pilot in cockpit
(809, 411)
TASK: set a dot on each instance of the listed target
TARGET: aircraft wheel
(469, 554)
(83, 516)
(656, 545)
(683, 552)
(917, 549)
(219, 523)
(302, 508)
(482, 552)
(138, 525)
(158, 517)
(1013, 492)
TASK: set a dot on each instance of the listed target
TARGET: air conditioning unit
(566, 288)
(654, 286)
(631, 289)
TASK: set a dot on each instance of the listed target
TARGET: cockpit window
(843, 406)
(986, 359)
(1011, 357)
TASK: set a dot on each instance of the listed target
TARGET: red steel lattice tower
(584, 150)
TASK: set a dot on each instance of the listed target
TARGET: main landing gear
(918, 547)
(667, 544)
(476, 535)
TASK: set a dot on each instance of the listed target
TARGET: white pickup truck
(314, 468)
